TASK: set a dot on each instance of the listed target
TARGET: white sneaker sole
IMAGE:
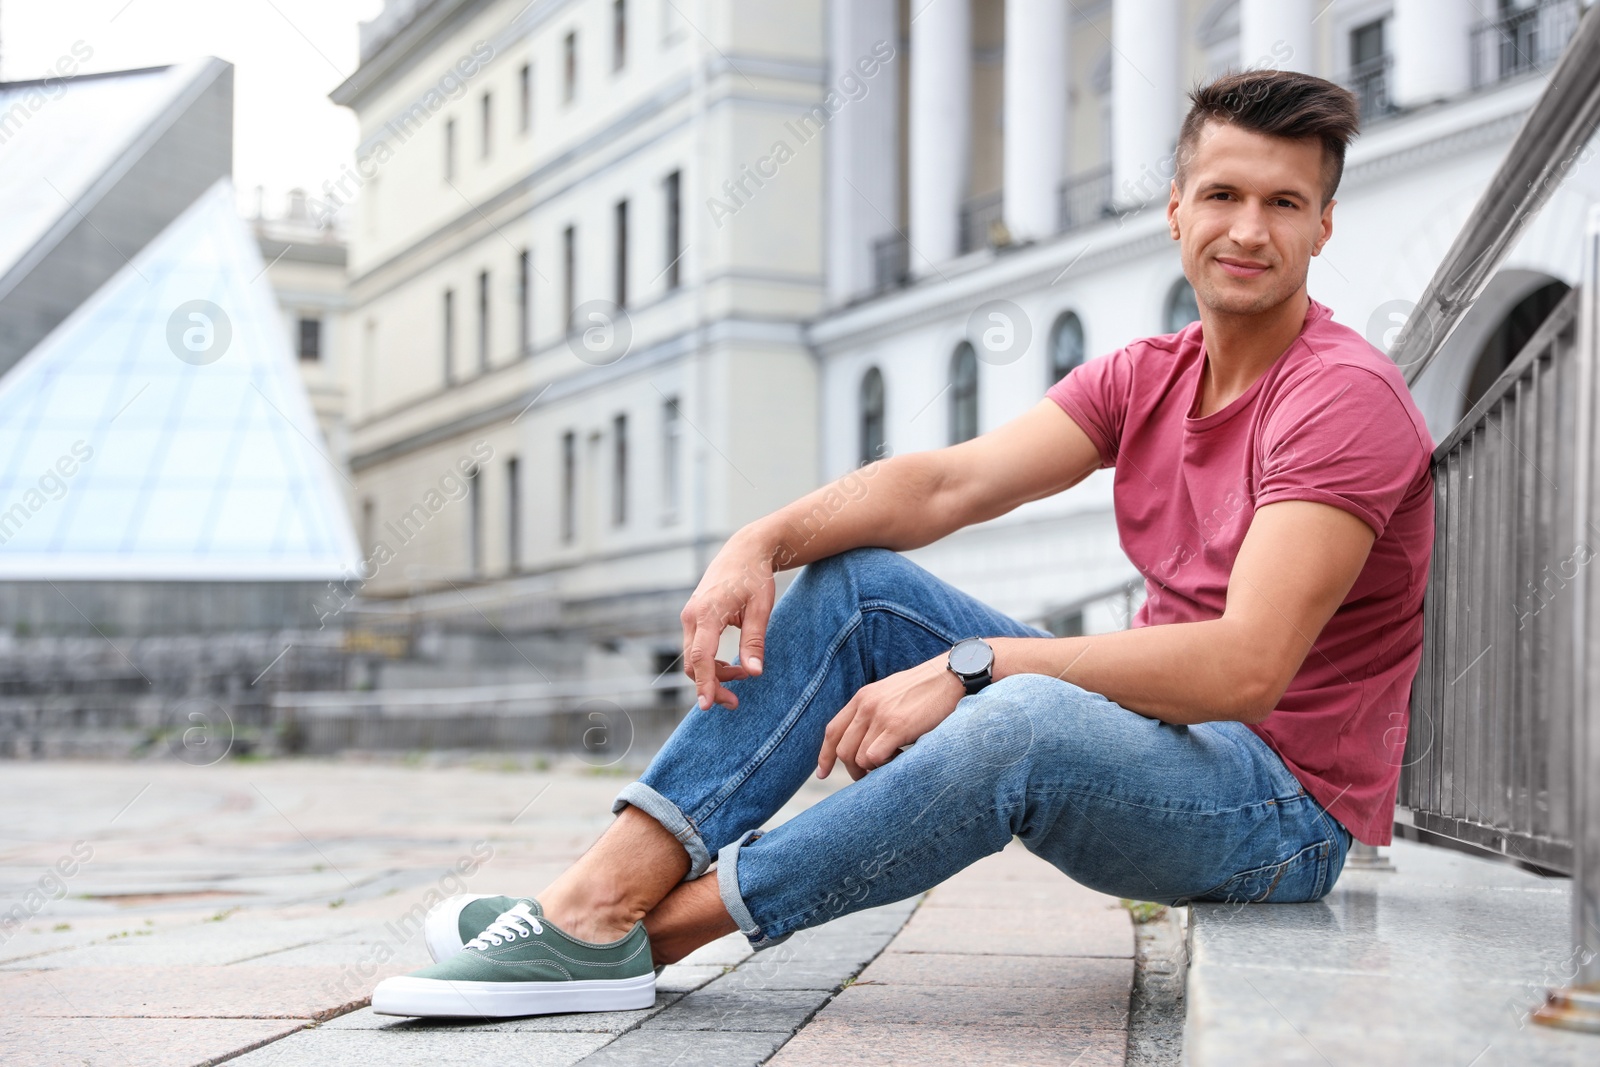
(433, 998)
(441, 928)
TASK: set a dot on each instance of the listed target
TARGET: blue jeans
(1124, 804)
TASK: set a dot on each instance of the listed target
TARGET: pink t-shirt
(1331, 421)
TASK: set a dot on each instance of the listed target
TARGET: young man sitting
(1272, 486)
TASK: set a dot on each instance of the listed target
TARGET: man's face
(1250, 217)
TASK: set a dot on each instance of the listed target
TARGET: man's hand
(888, 713)
(736, 590)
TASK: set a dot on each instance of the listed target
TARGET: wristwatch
(972, 660)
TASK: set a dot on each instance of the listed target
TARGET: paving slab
(423, 1048)
(839, 1044)
(1439, 961)
(1018, 966)
(92, 1042)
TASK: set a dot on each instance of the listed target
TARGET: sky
(287, 55)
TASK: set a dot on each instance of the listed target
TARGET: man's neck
(1240, 348)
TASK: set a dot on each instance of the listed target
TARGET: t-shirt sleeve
(1352, 444)
(1095, 396)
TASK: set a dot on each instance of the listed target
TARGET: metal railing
(1085, 198)
(891, 262)
(1370, 82)
(983, 222)
(1521, 40)
(1491, 712)
(1503, 750)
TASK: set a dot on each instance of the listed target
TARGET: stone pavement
(1436, 962)
(242, 912)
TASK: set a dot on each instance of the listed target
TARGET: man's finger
(702, 659)
(849, 747)
(830, 738)
(753, 628)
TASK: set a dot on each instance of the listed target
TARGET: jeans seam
(704, 812)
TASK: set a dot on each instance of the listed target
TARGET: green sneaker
(523, 965)
(456, 920)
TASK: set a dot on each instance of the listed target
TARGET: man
(1272, 485)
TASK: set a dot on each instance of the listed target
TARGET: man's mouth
(1241, 268)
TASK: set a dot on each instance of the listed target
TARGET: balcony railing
(1503, 750)
(1370, 82)
(1522, 40)
(891, 262)
(1085, 198)
(982, 222)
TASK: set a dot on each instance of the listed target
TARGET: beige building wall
(721, 100)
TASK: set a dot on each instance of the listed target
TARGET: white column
(1277, 35)
(941, 129)
(863, 165)
(1144, 99)
(1037, 80)
(1431, 44)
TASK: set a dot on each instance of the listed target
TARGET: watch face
(971, 656)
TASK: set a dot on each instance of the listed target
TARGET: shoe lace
(518, 922)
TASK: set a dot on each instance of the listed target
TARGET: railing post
(1577, 1006)
(1363, 857)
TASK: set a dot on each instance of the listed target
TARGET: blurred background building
(606, 279)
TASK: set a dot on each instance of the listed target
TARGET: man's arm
(1296, 566)
(902, 502)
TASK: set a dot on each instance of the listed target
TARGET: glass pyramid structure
(163, 432)
(53, 163)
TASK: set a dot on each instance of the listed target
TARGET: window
(369, 365)
(671, 462)
(308, 340)
(619, 470)
(872, 438)
(1181, 307)
(525, 98)
(569, 486)
(569, 75)
(449, 335)
(1366, 43)
(449, 150)
(622, 254)
(475, 521)
(524, 303)
(569, 267)
(483, 320)
(963, 394)
(369, 527)
(619, 34)
(486, 125)
(672, 190)
(513, 516)
(1066, 347)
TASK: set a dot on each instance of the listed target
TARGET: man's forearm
(899, 503)
(1178, 673)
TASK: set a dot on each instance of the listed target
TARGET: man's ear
(1327, 228)
(1172, 210)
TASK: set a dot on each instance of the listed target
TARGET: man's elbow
(1256, 696)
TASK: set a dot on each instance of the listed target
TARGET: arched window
(871, 404)
(1182, 309)
(1066, 347)
(963, 394)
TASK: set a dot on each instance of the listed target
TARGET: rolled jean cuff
(667, 814)
(728, 888)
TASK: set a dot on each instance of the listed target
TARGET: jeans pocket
(1300, 878)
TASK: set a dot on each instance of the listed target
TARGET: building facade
(650, 270)
(578, 282)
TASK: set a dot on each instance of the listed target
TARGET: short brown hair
(1279, 103)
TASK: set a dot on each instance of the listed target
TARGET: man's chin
(1234, 302)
